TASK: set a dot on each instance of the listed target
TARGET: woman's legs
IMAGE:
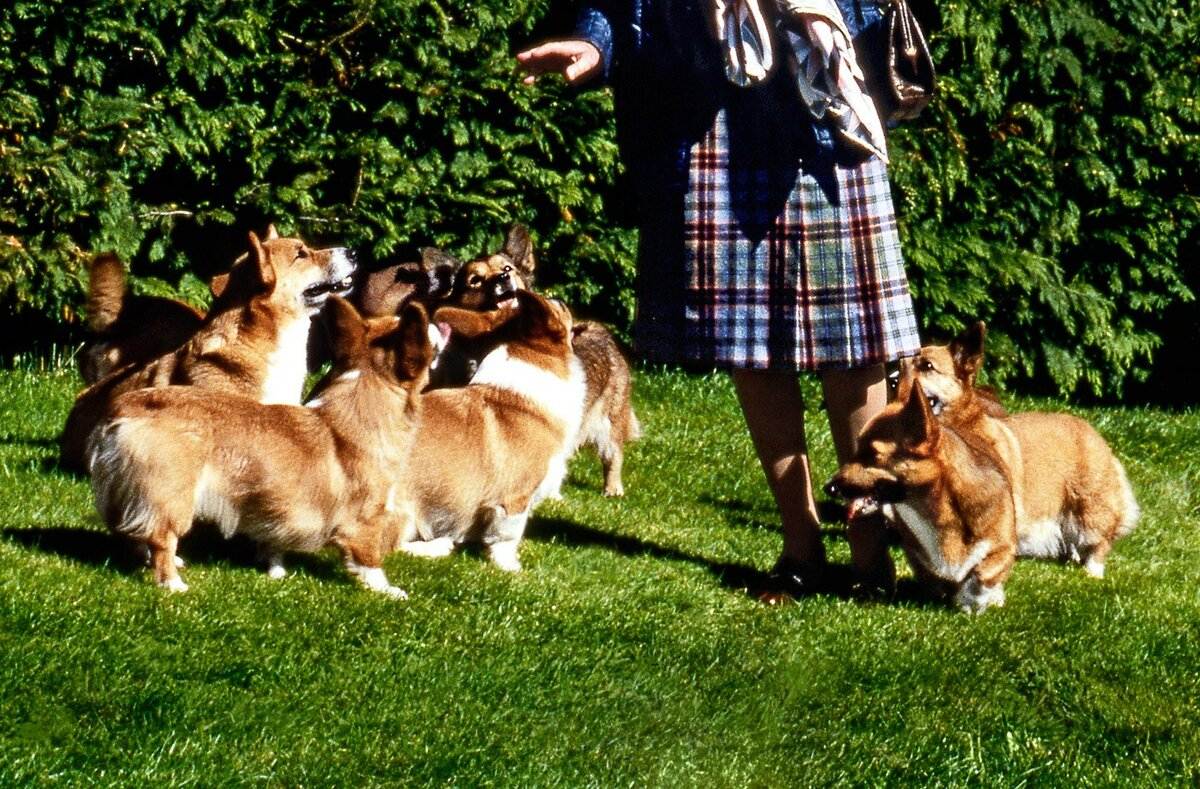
(774, 411)
(852, 398)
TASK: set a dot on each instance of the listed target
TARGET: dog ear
(967, 351)
(439, 268)
(217, 285)
(272, 233)
(348, 331)
(414, 351)
(518, 246)
(917, 423)
(261, 263)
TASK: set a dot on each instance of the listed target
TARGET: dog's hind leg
(503, 537)
(163, 542)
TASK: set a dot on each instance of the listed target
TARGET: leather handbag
(909, 73)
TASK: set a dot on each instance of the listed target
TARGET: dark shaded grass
(626, 653)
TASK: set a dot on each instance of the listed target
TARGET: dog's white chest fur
(287, 365)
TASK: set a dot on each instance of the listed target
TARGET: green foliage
(158, 128)
(1051, 189)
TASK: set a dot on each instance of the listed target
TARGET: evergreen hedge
(1050, 189)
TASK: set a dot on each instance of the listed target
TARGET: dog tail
(106, 291)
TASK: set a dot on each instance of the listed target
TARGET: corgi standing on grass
(293, 478)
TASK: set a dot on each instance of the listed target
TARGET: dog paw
(174, 584)
(179, 562)
(614, 491)
(504, 556)
(394, 592)
(276, 572)
(430, 549)
(1094, 568)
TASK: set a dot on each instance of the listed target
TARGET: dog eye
(924, 365)
(475, 280)
(303, 253)
(507, 269)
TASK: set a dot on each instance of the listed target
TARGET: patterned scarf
(821, 56)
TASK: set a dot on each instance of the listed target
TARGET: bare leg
(852, 398)
(774, 411)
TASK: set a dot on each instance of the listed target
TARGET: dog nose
(503, 276)
(832, 490)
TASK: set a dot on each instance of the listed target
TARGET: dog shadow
(204, 545)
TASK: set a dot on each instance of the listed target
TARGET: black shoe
(790, 579)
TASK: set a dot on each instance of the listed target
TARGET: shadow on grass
(755, 583)
(204, 545)
(753, 516)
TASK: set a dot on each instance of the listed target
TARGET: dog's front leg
(364, 560)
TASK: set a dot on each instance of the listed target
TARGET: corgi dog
(128, 329)
(608, 418)
(293, 478)
(252, 342)
(1073, 497)
(489, 451)
(950, 497)
(440, 279)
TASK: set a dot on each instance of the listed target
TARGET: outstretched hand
(577, 60)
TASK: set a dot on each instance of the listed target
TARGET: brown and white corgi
(128, 329)
(440, 279)
(949, 496)
(488, 452)
(1073, 497)
(252, 342)
(293, 478)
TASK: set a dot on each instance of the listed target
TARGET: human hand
(577, 60)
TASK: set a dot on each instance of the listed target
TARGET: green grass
(625, 654)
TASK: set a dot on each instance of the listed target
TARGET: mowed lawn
(626, 654)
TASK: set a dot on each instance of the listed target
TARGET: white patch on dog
(1041, 539)
(287, 365)
(174, 584)
(504, 555)
(559, 398)
(926, 535)
(437, 548)
(1094, 568)
(376, 580)
(976, 598)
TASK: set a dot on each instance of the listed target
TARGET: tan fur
(291, 477)
(1073, 495)
(949, 495)
(244, 345)
(128, 329)
(489, 451)
(608, 418)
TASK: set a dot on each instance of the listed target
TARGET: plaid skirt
(792, 267)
